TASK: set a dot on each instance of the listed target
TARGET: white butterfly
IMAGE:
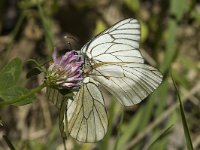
(112, 60)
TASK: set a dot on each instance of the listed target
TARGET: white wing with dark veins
(129, 83)
(60, 101)
(119, 43)
(86, 114)
(117, 64)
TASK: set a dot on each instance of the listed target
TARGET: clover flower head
(66, 71)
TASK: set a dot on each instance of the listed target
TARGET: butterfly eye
(75, 53)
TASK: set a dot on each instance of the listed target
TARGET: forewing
(116, 63)
(86, 114)
(129, 83)
(60, 101)
(119, 43)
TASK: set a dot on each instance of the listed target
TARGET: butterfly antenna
(70, 46)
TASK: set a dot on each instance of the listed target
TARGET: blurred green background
(170, 41)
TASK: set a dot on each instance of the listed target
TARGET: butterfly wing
(86, 115)
(129, 83)
(86, 118)
(120, 43)
(117, 64)
(60, 101)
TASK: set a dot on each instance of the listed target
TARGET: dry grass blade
(10, 145)
(184, 122)
(161, 136)
(162, 117)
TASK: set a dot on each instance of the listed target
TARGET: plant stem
(13, 36)
(7, 102)
(47, 27)
(8, 142)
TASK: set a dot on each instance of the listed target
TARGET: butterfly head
(65, 72)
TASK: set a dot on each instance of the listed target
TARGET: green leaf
(112, 114)
(161, 136)
(184, 122)
(100, 26)
(34, 63)
(129, 129)
(182, 5)
(16, 92)
(133, 5)
(171, 42)
(47, 24)
(196, 15)
(119, 133)
(9, 74)
(33, 72)
(144, 31)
